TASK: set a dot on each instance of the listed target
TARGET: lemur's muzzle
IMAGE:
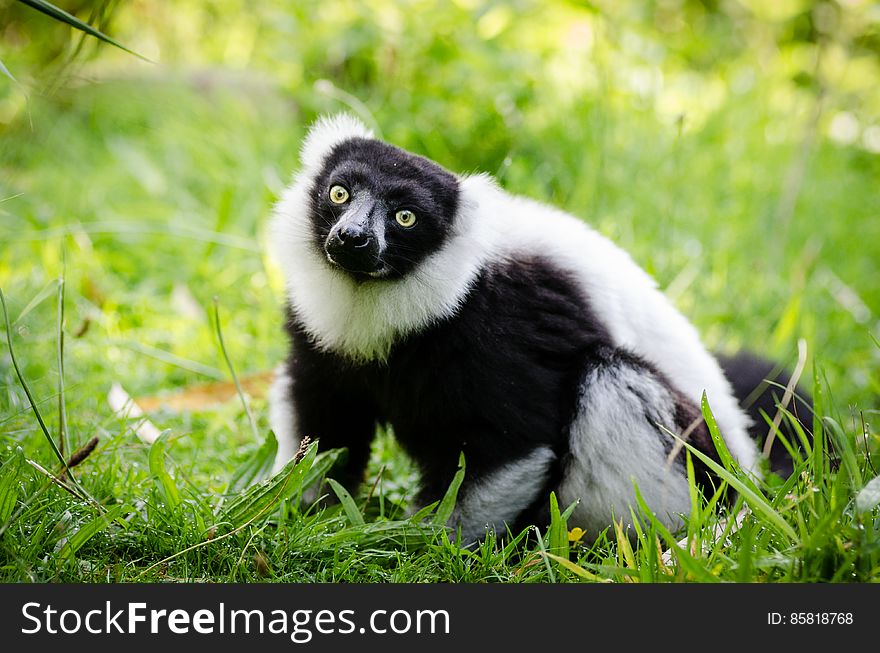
(352, 243)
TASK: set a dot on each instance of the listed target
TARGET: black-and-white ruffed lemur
(473, 320)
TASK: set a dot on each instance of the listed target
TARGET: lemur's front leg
(307, 399)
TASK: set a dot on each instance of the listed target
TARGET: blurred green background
(730, 145)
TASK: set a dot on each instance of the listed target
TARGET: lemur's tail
(759, 385)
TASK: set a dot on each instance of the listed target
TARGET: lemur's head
(374, 242)
(378, 211)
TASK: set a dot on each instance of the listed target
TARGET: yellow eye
(405, 218)
(338, 195)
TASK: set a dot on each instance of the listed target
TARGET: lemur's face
(377, 211)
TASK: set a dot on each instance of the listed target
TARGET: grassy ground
(149, 197)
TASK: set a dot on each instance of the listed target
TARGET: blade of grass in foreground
(262, 498)
(62, 16)
(557, 535)
(79, 489)
(46, 292)
(576, 569)
(348, 505)
(257, 502)
(256, 468)
(167, 487)
(686, 561)
(752, 496)
(542, 549)
(5, 71)
(88, 531)
(844, 448)
(447, 504)
(9, 484)
(63, 435)
(247, 408)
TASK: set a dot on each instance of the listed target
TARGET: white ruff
(363, 320)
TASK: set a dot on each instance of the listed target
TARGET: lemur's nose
(353, 237)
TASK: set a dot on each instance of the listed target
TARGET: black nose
(355, 238)
(353, 249)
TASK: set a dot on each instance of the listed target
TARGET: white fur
(615, 447)
(497, 499)
(328, 132)
(363, 320)
(282, 418)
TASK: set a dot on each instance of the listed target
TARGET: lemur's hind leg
(619, 440)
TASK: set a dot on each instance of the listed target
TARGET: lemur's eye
(338, 194)
(405, 218)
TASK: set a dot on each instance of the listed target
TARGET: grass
(149, 198)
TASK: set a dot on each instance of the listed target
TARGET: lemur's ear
(326, 133)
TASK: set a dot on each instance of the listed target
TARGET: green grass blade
(568, 511)
(724, 454)
(819, 458)
(423, 512)
(244, 402)
(648, 552)
(746, 550)
(624, 548)
(802, 438)
(322, 463)
(259, 500)
(5, 71)
(557, 535)
(845, 449)
(720, 445)
(257, 466)
(574, 568)
(542, 549)
(695, 519)
(688, 562)
(62, 16)
(757, 502)
(87, 532)
(40, 297)
(9, 484)
(24, 384)
(169, 358)
(447, 504)
(348, 505)
(81, 492)
(63, 435)
(167, 487)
